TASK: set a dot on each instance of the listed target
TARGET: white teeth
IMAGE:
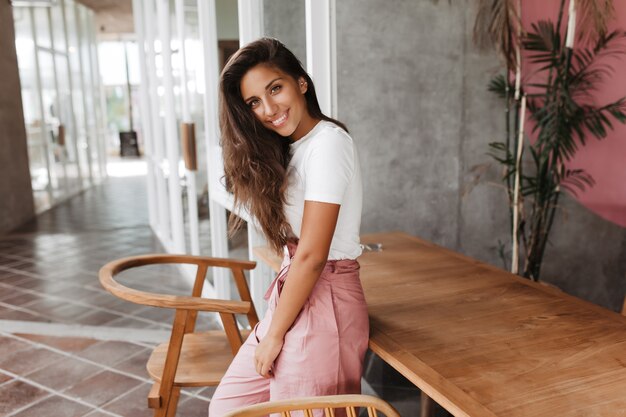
(279, 120)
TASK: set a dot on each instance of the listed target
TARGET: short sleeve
(329, 167)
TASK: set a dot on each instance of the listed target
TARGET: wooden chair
(189, 359)
(330, 403)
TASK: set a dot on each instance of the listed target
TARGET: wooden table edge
(525, 281)
(456, 401)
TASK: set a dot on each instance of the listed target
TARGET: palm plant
(559, 97)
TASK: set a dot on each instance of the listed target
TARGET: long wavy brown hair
(256, 158)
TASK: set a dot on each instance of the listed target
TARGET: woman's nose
(270, 107)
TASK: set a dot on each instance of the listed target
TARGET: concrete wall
(227, 21)
(285, 20)
(16, 196)
(412, 90)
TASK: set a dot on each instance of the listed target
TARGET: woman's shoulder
(331, 134)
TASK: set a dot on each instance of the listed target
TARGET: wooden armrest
(172, 301)
(108, 271)
(122, 264)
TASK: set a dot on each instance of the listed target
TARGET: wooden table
(482, 342)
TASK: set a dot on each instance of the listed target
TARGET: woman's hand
(265, 354)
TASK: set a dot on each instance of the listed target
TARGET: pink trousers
(323, 350)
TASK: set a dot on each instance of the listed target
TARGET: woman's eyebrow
(272, 82)
(266, 87)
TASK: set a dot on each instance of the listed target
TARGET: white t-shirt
(325, 167)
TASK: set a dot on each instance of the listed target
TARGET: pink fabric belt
(279, 281)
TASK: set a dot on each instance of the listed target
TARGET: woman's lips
(280, 121)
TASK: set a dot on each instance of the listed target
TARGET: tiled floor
(67, 347)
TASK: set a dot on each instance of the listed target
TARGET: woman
(297, 172)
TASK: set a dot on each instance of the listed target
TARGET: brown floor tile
(21, 315)
(70, 312)
(66, 373)
(7, 291)
(129, 323)
(4, 261)
(97, 318)
(57, 405)
(204, 391)
(23, 265)
(136, 364)
(11, 345)
(122, 306)
(207, 323)
(135, 403)
(78, 293)
(110, 352)
(158, 327)
(159, 315)
(35, 284)
(21, 298)
(62, 289)
(102, 388)
(193, 407)
(47, 305)
(4, 377)
(66, 344)
(15, 280)
(26, 361)
(99, 298)
(17, 394)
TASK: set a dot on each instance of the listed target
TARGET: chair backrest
(187, 307)
(331, 405)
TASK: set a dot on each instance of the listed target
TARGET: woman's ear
(303, 85)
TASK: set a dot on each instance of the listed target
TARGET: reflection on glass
(66, 150)
(56, 17)
(73, 32)
(25, 47)
(88, 88)
(50, 116)
(42, 26)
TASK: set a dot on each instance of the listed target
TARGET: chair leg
(427, 406)
(169, 401)
(171, 410)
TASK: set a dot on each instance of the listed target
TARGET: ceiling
(113, 17)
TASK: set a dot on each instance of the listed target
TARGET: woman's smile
(281, 120)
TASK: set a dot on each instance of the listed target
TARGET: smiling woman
(297, 172)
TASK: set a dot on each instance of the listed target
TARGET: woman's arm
(318, 226)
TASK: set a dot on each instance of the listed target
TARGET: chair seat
(204, 359)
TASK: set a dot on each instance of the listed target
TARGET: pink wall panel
(605, 160)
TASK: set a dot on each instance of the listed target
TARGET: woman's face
(277, 100)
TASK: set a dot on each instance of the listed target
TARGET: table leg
(427, 406)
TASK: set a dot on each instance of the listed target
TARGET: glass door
(55, 43)
(65, 150)
(185, 64)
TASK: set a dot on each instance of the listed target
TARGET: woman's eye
(253, 104)
(275, 89)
